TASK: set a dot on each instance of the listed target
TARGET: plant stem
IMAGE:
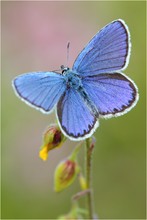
(88, 178)
(75, 151)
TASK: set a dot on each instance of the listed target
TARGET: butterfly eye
(64, 69)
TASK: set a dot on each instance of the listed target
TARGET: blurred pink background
(34, 37)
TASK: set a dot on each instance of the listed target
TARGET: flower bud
(52, 138)
(65, 174)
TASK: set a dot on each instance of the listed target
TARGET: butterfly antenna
(68, 52)
(59, 70)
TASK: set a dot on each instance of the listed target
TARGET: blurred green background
(34, 37)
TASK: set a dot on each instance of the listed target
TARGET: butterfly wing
(41, 90)
(108, 51)
(74, 117)
(113, 94)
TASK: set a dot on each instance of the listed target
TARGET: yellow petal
(43, 154)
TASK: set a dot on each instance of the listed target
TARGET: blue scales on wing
(113, 94)
(41, 90)
(99, 64)
(74, 116)
(107, 51)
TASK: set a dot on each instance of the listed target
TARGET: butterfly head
(64, 69)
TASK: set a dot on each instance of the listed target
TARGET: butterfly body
(72, 79)
(94, 87)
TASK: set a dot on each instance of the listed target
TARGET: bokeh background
(35, 37)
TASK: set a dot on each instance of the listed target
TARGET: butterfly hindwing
(41, 90)
(113, 94)
(74, 117)
(108, 51)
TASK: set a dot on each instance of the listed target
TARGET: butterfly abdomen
(93, 109)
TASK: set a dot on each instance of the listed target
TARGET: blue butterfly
(94, 88)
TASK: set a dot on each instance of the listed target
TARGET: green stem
(76, 151)
(88, 178)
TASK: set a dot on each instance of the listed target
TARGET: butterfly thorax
(74, 81)
(72, 78)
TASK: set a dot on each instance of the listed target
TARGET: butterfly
(93, 88)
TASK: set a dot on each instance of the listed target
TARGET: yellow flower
(52, 138)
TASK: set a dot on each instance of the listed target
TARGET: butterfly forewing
(40, 89)
(108, 51)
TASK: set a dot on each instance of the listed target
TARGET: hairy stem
(88, 178)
